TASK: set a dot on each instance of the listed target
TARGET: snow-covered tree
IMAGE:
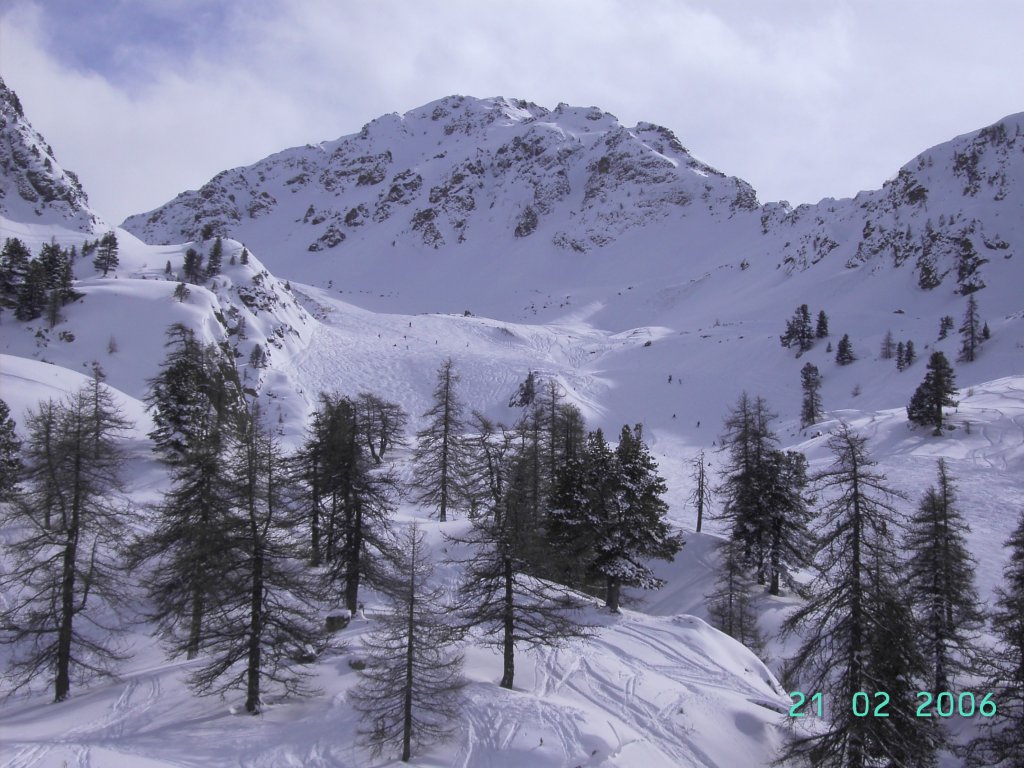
(409, 693)
(10, 453)
(439, 449)
(64, 579)
(934, 393)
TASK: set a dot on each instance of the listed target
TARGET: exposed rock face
(33, 186)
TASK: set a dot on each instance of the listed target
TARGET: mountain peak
(34, 188)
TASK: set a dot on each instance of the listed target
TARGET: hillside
(512, 238)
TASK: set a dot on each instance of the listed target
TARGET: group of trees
(801, 333)
(873, 621)
(34, 287)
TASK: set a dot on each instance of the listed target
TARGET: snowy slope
(638, 263)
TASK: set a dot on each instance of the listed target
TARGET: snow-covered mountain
(650, 286)
(33, 185)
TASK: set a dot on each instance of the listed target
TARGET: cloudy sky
(802, 98)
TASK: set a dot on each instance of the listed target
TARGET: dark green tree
(799, 332)
(10, 453)
(810, 384)
(844, 352)
(821, 330)
(970, 332)
(936, 391)
(216, 258)
(193, 267)
(106, 257)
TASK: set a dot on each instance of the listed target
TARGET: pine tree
(970, 332)
(439, 451)
(910, 354)
(262, 623)
(32, 293)
(193, 266)
(74, 519)
(746, 477)
(901, 357)
(106, 254)
(215, 259)
(609, 514)
(14, 263)
(854, 625)
(244, 259)
(798, 330)
(10, 453)
(181, 292)
(409, 691)
(821, 330)
(195, 402)
(844, 352)
(810, 383)
(789, 542)
(986, 334)
(1002, 739)
(936, 391)
(940, 572)
(945, 326)
(525, 394)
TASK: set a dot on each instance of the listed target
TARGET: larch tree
(701, 494)
(439, 450)
(262, 625)
(65, 577)
(940, 572)
(855, 628)
(409, 693)
(1001, 741)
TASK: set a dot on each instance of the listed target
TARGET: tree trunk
(612, 599)
(353, 564)
(509, 649)
(195, 628)
(252, 701)
(62, 681)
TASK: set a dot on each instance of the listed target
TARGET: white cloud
(803, 99)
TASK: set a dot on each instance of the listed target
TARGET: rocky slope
(33, 185)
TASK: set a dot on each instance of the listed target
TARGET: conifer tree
(193, 266)
(64, 571)
(746, 477)
(730, 606)
(409, 694)
(901, 357)
(106, 257)
(910, 355)
(262, 623)
(439, 452)
(799, 332)
(940, 573)
(888, 346)
(10, 453)
(381, 424)
(844, 352)
(14, 263)
(498, 594)
(810, 383)
(854, 625)
(821, 330)
(1001, 741)
(970, 332)
(936, 391)
(789, 542)
(215, 259)
(32, 293)
(195, 401)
